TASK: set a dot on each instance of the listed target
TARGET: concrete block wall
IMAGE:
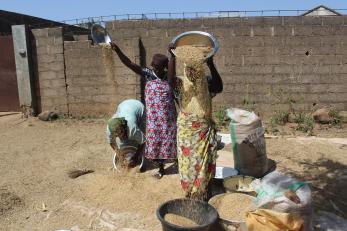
(96, 79)
(76, 78)
(49, 70)
(267, 63)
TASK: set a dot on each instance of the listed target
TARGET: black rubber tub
(200, 212)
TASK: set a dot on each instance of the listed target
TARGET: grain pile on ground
(8, 201)
(179, 220)
(34, 170)
(233, 206)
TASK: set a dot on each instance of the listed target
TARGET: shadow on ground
(328, 182)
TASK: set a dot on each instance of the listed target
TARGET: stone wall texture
(96, 79)
(49, 71)
(266, 63)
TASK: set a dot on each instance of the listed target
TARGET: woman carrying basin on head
(196, 134)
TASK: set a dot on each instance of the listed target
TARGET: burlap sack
(248, 142)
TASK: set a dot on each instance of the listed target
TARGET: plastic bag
(269, 220)
(271, 195)
(244, 122)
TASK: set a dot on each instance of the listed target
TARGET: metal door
(9, 99)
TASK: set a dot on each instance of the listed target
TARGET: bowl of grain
(186, 214)
(232, 208)
(239, 183)
(186, 43)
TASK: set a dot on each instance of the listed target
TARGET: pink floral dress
(161, 119)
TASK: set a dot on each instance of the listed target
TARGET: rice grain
(233, 206)
(179, 220)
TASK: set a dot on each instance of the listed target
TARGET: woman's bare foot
(160, 173)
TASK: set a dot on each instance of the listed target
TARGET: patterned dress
(161, 118)
(196, 138)
(197, 154)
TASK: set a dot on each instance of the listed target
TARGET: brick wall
(267, 63)
(76, 78)
(97, 80)
(49, 70)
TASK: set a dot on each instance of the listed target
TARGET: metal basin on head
(196, 38)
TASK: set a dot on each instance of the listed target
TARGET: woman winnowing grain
(160, 109)
(196, 133)
(126, 129)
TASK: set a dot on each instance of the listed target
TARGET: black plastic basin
(200, 212)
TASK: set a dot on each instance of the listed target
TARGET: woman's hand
(114, 46)
(171, 70)
(209, 61)
(170, 48)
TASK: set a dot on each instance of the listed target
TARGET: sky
(60, 10)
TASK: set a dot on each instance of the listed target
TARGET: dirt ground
(37, 194)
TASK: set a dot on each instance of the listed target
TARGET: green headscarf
(118, 127)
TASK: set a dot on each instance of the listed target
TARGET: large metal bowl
(99, 34)
(196, 38)
(224, 221)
